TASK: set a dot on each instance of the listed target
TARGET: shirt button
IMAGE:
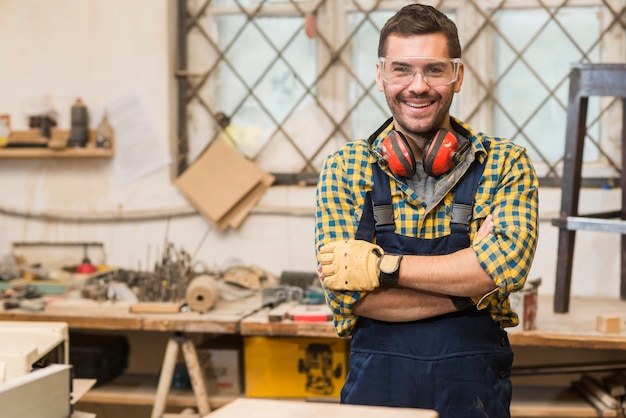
(502, 374)
(503, 341)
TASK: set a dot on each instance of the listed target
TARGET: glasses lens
(434, 71)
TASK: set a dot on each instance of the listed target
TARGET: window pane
(269, 65)
(371, 110)
(532, 62)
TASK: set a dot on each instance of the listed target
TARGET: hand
(463, 302)
(351, 265)
(485, 230)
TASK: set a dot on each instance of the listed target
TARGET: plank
(271, 408)
(52, 386)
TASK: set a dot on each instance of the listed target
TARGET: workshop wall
(102, 50)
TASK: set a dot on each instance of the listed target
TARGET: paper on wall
(138, 149)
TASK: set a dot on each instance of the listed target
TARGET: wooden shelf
(140, 389)
(58, 137)
(551, 401)
(50, 153)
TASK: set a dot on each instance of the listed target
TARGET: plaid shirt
(507, 190)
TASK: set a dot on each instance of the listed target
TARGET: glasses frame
(456, 64)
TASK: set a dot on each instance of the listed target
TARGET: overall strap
(377, 213)
(464, 194)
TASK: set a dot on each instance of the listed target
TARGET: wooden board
(156, 307)
(270, 408)
(52, 388)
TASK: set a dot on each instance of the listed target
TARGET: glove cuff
(462, 302)
(389, 266)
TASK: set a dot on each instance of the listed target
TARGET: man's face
(418, 108)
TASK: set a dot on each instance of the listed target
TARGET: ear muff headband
(397, 152)
(439, 153)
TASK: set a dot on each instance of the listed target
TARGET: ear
(459, 80)
(379, 80)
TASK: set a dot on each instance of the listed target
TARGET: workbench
(575, 329)
(105, 316)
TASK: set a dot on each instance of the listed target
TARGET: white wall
(101, 49)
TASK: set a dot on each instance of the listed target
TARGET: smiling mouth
(418, 105)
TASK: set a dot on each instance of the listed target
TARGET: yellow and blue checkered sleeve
(338, 204)
(511, 188)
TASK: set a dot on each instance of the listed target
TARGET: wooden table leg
(165, 379)
(197, 377)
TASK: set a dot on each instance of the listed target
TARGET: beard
(420, 127)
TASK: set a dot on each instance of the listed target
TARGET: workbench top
(224, 318)
(575, 329)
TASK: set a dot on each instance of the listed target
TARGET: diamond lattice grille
(296, 79)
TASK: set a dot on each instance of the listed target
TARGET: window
(296, 79)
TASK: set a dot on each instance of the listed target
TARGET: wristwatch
(462, 302)
(389, 266)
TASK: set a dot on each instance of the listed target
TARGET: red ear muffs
(440, 152)
(398, 155)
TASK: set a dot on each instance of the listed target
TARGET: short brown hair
(420, 19)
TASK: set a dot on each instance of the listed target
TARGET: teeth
(418, 105)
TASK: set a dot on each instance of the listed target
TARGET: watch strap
(389, 266)
(462, 302)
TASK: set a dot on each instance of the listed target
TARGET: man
(422, 232)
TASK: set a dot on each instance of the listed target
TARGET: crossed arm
(425, 282)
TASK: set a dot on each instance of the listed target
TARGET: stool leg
(570, 189)
(165, 379)
(622, 290)
(565, 259)
(198, 381)
(623, 187)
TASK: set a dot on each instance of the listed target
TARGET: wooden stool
(586, 80)
(196, 375)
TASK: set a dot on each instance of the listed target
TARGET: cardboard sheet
(223, 185)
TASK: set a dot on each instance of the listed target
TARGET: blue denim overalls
(458, 364)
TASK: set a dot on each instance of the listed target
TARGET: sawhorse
(196, 376)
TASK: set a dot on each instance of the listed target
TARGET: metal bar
(575, 223)
(182, 149)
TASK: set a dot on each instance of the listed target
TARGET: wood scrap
(599, 392)
(615, 384)
(608, 323)
(601, 408)
(156, 307)
(281, 311)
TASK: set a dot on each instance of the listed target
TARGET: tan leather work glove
(356, 265)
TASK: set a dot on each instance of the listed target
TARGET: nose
(418, 83)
